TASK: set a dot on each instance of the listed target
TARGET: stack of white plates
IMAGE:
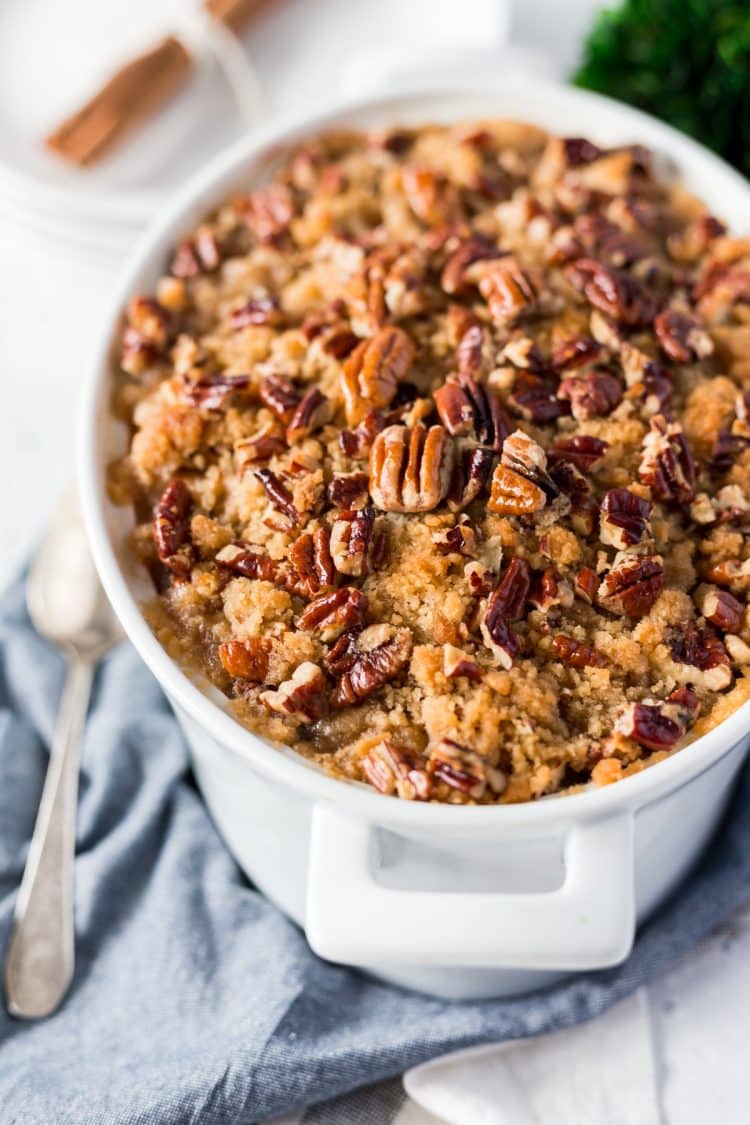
(52, 57)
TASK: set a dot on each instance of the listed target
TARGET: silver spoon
(67, 605)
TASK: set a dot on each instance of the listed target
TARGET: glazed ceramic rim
(542, 102)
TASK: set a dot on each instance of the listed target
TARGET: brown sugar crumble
(440, 460)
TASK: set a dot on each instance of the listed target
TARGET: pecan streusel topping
(440, 459)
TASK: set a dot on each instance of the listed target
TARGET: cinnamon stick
(136, 91)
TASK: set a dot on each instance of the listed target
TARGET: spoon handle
(40, 958)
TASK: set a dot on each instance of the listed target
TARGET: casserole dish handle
(587, 923)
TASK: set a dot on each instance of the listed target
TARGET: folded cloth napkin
(195, 1000)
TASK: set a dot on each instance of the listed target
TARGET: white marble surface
(689, 1035)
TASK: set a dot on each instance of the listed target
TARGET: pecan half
(667, 464)
(632, 585)
(246, 660)
(614, 291)
(171, 528)
(391, 769)
(351, 535)
(705, 660)
(313, 411)
(594, 394)
(456, 664)
(720, 608)
(278, 494)
(372, 372)
(364, 663)
(681, 336)
(305, 696)
(468, 407)
(334, 612)
(575, 654)
(580, 450)
(624, 518)
(280, 396)
(410, 469)
(463, 769)
(312, 561)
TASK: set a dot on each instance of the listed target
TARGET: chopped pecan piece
(469, 350)
(351, 535)
(313, 563)
(200, 254)
(246, 660)
(214, 390)
(524, 455)
(410, 469)
(305, 696)
(549, 590)
(431, 196)
(464, 770)
(576, 487)
(681, 336)
(278, 493)
(470, 477)
(477, 248)
(280, 396)
(508, 290)
(535, 399)
(456, 663)
(624, 518)
(594, 394)
(480, 579)
(576, 654)
(513, 494)
(389, 768)
(148, 332)
(720, 608)
(461, 539)
(586, 584)
(613, 291)
(171, 528)
(241, 559)
(506, 603)
(269, 211)
(580, 450)
(705, 660)
(667, 464)
(258, 310)
(349, 490)
(262, 446)
(313, 411)
(332, 613)
(364, 663)
(357, 443)
(651, 724)
(730, 572)
(468, 407)
(373, 371)
(576, 352)
(632, 585)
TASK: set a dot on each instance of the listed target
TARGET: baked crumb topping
(440, 459)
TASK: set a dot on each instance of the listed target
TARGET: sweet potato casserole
(440, 459)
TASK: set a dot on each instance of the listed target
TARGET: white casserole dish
(456, 901)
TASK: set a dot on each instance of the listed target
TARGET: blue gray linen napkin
(194, 999)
